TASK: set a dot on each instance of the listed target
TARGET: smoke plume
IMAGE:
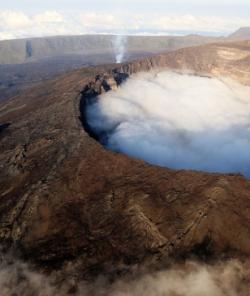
(181, 121)
(119, 44)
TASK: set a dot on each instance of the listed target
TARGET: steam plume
(119, 45)
(179, 121)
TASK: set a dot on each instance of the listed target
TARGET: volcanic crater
(174, 119)
(71, 205)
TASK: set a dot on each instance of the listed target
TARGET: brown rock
(63, 197)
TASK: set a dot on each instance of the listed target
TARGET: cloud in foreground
(186, 279)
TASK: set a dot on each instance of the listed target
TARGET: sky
(35, 18)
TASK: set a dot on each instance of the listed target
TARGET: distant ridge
(20, 51)
(26, 62)
(241, 34)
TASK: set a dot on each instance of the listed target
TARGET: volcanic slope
(64, 198)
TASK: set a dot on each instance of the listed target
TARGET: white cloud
(11, 20)
(17, 24)
(99, 21)
(179, 121)
(48, 17)
(207, 24)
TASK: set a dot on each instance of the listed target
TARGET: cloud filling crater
(180, 121)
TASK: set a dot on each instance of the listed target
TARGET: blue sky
(31, 18)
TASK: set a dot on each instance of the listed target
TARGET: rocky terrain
(68, 204)
(26, 62)
(14, 78)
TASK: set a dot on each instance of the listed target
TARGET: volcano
(72, 207)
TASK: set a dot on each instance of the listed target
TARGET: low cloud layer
(20, 24)
(229, 278)
(178, 121)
